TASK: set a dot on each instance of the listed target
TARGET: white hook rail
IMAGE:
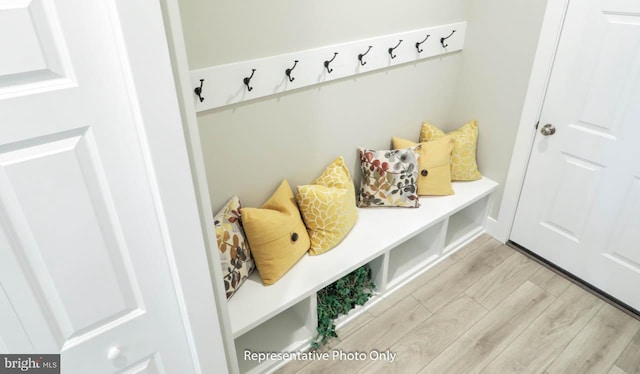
(226, 84)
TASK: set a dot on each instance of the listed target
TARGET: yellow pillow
(276, 234)
(328, 207)
(434, 173)
(463, 158)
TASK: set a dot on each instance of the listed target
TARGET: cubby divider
(378, 268)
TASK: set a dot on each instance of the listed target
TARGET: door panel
(56, 177)
(573, 197)
(579, 205)
(36, 60)
(609, 81)
(13, 338)
(150, 365)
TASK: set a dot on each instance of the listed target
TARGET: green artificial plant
(338, 298)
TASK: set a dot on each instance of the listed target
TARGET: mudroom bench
(397, 244)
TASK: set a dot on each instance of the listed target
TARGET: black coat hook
(392, 48)
(418, 44)
(247, 80)
(445, 38)
(361, 55)
(326, 63)
(288, 71)
(198, 90)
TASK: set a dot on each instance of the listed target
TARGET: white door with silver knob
(580, 203)
(86, 259)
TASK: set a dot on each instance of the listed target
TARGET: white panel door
(83, 264)
(580, 203)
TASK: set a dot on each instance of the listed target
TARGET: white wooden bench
(397, 244)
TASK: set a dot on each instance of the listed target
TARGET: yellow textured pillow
(434, 172)
(276, 234)
(463, 158)
(328, 207)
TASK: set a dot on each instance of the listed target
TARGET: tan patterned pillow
(389, 178)
(328, 207)
(235, 255)
(463, 157)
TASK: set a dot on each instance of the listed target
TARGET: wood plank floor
(487, 309)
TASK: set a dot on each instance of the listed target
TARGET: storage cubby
(288, 331)
(414, 254)
(466, 223)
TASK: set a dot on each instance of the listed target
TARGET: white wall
(502, 36)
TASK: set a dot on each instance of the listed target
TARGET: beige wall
(219, 32)
(250, 147)
(501, 41)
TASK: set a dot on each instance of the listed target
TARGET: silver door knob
(114, 354)
(548, 129)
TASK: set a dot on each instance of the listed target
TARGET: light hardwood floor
(488, 309)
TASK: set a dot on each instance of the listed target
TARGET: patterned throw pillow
(276, 233)
(434, 177)
(463, 157)
(328, 207)
(235, 255)
(389, 178)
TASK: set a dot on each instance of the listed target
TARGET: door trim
(151, 81)
(182, 81)
(532, 108)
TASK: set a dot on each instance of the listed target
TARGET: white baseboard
(493, 228)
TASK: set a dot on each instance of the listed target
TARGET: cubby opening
(466, 223)
(288, 331)
(414, 254)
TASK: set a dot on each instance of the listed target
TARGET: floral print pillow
(235, 255)
(389, 178)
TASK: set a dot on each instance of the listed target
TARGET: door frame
(550, 32)
(140, 33)
(186, 100)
